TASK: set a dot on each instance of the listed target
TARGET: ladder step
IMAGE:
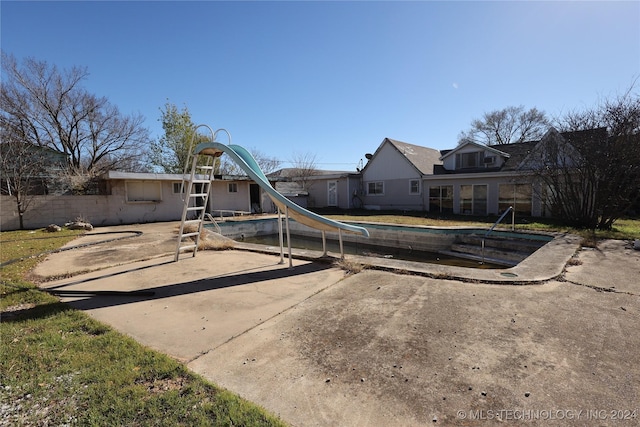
(197, 194)
(195, 208)
(192, 221)
(184, 248)
(205, 167)
(201, 181)
(189, 234)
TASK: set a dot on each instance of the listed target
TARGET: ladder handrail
(509, 209)
(197, 190)
(215, 223)
(190, 153)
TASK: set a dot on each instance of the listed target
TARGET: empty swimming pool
(450, 246)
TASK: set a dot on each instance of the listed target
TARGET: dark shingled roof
(517, 152)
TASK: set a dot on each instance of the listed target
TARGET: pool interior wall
(411, 240)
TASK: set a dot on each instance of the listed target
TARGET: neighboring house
(335, 189)
(40, 166)
(393, 177)
(319, 188)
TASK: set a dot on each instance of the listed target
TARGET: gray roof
(422, 158)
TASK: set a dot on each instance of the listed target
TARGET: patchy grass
(60, 367)
(349, 266)
(26, 248)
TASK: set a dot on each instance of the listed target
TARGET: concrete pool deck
(319, 347)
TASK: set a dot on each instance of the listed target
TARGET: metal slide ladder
(195, 194)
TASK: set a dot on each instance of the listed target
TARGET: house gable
(471, 156)
(399, 160)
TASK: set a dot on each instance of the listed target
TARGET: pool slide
(246, 161)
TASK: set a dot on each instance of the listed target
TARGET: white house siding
(396, 196)
(221, 199)
(388, 163)
(395, 172)
(346, 187)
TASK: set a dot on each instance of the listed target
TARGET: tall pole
(280, 235)
(286, 219)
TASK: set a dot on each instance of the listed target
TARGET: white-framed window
(414, 186)
(376, 187)
(143, 191)
(469, 160)
(232, 187)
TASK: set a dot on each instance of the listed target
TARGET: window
(469, 160)
(143, 191)
(441, 198)
(414, 186)
(375, 187)
(233, 187)
(516, 195)
(179, 187)
(473, 199)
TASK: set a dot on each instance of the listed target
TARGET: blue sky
(335, 78)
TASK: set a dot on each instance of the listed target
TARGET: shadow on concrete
(244, 277)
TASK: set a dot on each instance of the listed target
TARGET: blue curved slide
(246, 161)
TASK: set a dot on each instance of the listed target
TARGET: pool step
(517, 244)
(497, 250)
(487, 259)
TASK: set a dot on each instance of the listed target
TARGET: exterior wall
(221, 198)
(98, 210)
(114, 209)
(388, 163)
(491, 180)
(396, 196)
(347, 186)
(395, 171)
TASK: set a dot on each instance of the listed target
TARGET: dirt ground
(380, 348)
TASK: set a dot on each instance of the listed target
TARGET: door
(254, 198)
(332, 193)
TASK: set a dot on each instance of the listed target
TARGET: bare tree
(506, 126)
(46, 107)
(591, 172)
(24, 172)
(304, 168)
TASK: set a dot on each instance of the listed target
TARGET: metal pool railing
(513, 226)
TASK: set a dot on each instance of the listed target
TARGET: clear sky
(335, 78)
